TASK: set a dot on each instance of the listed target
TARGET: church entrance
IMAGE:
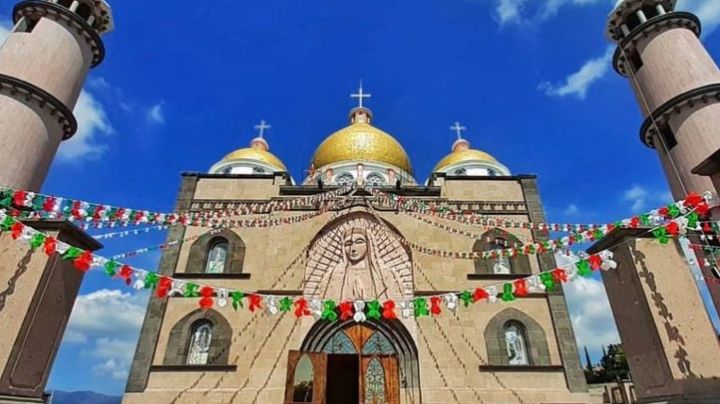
(357, 364)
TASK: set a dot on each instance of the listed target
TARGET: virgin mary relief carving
(358, 258)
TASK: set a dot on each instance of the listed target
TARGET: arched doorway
(372, 362)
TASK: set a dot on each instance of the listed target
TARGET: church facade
(355, 247)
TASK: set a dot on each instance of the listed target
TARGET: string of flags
(36, 205)
(670, 221)
(133, 232)
(447, 211)
(213, 222)
(329, 309)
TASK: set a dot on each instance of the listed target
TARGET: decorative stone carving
(357, 258)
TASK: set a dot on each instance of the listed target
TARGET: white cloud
(108, 322)
(520, 11)
(106, 312)
(637, 195)
(115, 355)
(508, 10)
(533, 11)
(640, 198)
(155, 114)
(707, 10)
(5, 29)
(571, 210)
(92, 122)
(590, 313)
(578, 83)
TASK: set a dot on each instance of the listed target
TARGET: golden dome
(461, 152)
(361, 141)
(462, 156)
(258, 152)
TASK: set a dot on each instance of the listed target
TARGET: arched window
(492, 172)
(344, 179)
(217, 257)
(340, 343)
(217, 252)
(501, 264)
(499, 239)
(513, 338)
(303, 382)
(460, 171)
(375, 382)
(375, 180)
(200, 339)
(258, 170)
(515, 344)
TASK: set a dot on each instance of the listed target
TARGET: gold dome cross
(360, 95)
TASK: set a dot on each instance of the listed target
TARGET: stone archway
(356, 362)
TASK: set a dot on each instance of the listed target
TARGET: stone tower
(43, 65)
(676, 83)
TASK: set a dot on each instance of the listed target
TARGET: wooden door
(380, 379)
(306, 378)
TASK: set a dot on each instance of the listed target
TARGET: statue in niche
(200, 345)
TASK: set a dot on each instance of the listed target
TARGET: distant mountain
(83, 397)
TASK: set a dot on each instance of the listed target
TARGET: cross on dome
(261, 128)
(360, 95)
(458, 129)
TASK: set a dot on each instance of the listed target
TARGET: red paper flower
(19, 198)
(207, 293)
(389, 310)
(595, 262)
(346, 310)
(50, 246)
(164, 286)
(254, 301)
(435, 305)
(521, 288)
(480, 294)
(16, 230)
(84, 261)
(126, 274)
(559, 275)
(301, 308)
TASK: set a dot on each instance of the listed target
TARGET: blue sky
(184, 82)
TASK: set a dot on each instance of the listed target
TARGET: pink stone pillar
(43, 66)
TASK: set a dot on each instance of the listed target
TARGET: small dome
(256, 156)
(361, 142)
(463, 156)
(251, 153)
(470, 161)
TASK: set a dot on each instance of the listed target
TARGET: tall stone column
(43, 65)
(677, 85)
(671, 346)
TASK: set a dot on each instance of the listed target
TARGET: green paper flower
(507, 295)
(237, 299)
